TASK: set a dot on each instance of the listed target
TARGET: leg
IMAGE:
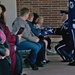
(18, 67)
(58, 51)
(35, 47)
(49, 42)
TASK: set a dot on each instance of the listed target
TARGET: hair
(39, 19)
(24, 11)
(35, 17)
(2, 13)
(31, 15)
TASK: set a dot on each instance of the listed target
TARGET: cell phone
(20, 31)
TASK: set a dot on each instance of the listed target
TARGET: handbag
(2, 50)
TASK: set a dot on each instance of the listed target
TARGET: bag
(2, 50)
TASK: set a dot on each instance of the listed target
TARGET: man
(71, 27)
(63, 48)
(28, 40)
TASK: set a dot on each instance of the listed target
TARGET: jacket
(27, 33)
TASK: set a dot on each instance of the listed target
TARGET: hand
(16, 32)
(37, 40)
(7, 52)
(20, 36)
(2, 57)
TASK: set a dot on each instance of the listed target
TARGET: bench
(25, 54)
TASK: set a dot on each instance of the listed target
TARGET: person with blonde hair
(47, 40)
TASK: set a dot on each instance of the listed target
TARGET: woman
(10, 38)
(4, 55)
(38, 25)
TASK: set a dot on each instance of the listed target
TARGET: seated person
(38, 25)
(28, 40)
(36, 31)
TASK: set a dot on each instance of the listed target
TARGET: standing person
(10, 38)
(71, 27)
(29, 40)
(4, 55)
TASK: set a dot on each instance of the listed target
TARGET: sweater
(27, 34)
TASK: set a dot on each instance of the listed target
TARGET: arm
(10, 37)
(34, 30)
(7, 47)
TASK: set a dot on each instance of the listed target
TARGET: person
(10, 38)
(38, 25)
(63, 47)
(4, 54)
(28, 40)
(41, 54)
(71, 27)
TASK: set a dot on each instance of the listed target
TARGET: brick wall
(49, 9)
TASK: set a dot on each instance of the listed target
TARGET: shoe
(51, 51)
(47, 61)
(34, 66)
(27, 65)
(72, 63)
(40, 64)
(24, 74)
(65, 61)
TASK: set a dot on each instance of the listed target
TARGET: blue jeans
(35, 47)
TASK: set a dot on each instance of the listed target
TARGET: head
(35, 18)
(40, 20)
(2, 13)
(31, 16)
(64, 15)
(24, 13)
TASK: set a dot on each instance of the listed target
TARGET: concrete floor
(55, 67)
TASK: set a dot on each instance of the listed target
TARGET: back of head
(40, 20)
(31, 15)
(24, 11)
(35, 18)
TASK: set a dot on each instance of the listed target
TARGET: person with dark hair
(35, 18)
(10, 37)
(28, 40)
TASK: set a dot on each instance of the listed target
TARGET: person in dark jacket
(4, 55)
(63, 48)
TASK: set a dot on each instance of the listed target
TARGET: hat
(63, 11)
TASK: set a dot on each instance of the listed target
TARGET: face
(31, 19)
(42, 21)
(63, 17)
(26, 15)
(4, 14)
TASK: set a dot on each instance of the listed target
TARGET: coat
(11, 41)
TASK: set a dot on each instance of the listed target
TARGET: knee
(37, 49)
